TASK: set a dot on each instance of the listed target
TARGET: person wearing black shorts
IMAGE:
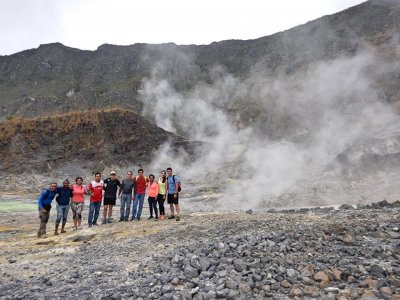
(110, 196)
(173, 195)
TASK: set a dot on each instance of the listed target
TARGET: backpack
(179, 183)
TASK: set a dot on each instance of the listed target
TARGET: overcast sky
(87, 24)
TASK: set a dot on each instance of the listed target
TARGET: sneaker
(151, 217)
(171, 217)
(132, 219)
(121, 220)
(109, 220)
(95, 224)
(90, 225)
(138, 218)
(104, 222)
(178, 218)
(126, 220)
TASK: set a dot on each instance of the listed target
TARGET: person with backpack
(174, 187)
(162, 193)
(152, 187)
(140, 190)
(63, 202)
(44, 207)
(96, 195)
(110, 188)
(78, 199)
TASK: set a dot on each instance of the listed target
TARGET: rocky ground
(319, 253)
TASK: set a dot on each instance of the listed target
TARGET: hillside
(88, 140)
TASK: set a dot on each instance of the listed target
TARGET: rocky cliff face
(90, 140)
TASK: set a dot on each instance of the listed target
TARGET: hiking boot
(151, 217)
(177, 218)
(62, 228)
(138, 218)
(121, 220)
(171, 217)
(56, 230)
(126, 220)
(132, 219)
(109, 220)
(104, 222)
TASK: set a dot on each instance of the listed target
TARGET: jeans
(139, 198)
(94, 209)
(126, 200)
(62, 212)
(153, 205)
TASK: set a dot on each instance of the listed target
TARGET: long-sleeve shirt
(127, 186)
(152, 189)
(96, 188)
(64, 196)
(45, 198)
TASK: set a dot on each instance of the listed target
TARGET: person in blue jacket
(44, 204)
(63, 200)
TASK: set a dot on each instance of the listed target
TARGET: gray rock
(190, 271)
(12, 260)
(230, 284)
(376, 270)
(239, 265)
(204, 264)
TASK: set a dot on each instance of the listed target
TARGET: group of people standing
(166, 188)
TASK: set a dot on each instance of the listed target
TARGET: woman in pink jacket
(152, 190)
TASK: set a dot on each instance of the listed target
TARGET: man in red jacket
(140, 183)
(96, 195)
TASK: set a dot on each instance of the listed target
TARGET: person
(96, 195)
(78, 199)
(110, 188)
(44, 206)
(162, 192)
(173, 194)
(153, 192)
(125, 194)
(63, 200)
(140, 190)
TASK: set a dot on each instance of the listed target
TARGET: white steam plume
(308, 119)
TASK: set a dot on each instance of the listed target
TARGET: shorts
(109, 201)
(172, 199)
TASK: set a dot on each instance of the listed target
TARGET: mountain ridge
(113, 74)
